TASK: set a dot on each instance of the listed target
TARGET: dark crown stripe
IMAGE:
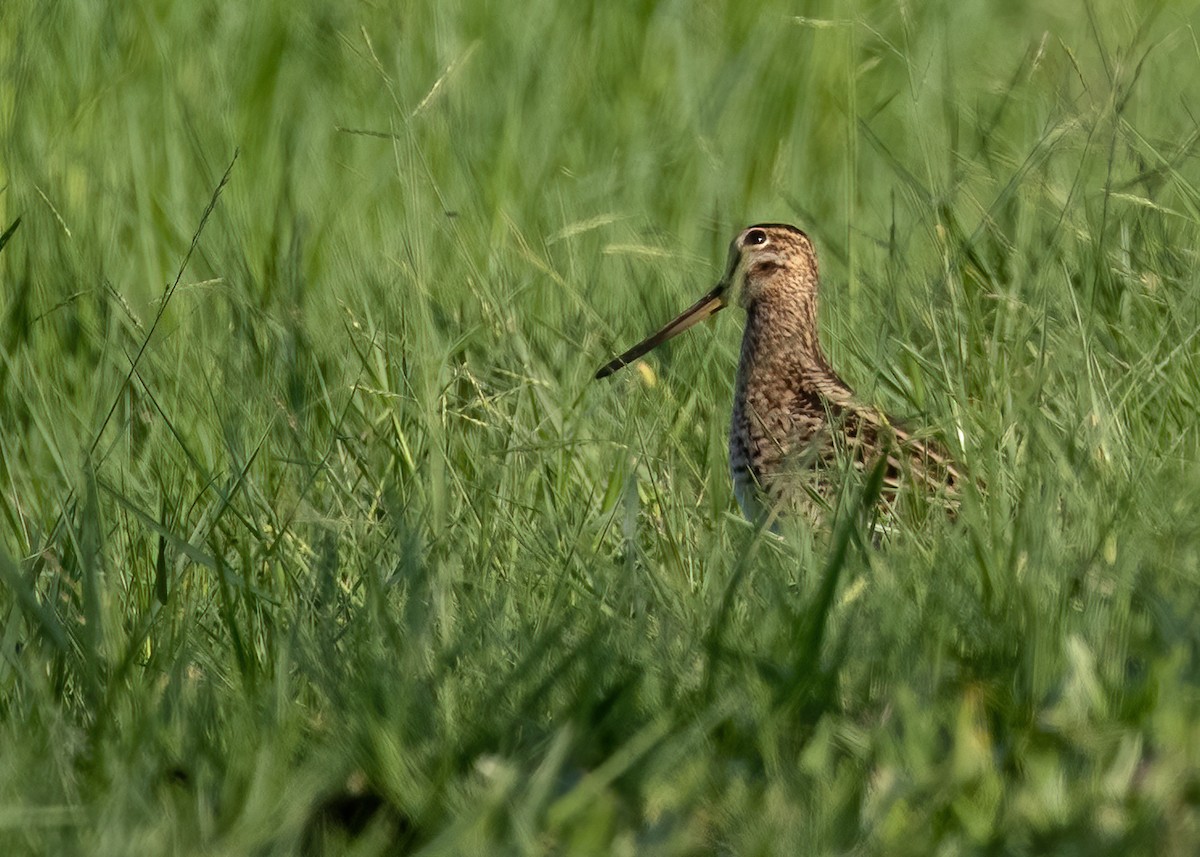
(787, 227)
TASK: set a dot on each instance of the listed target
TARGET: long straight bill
(700, 310)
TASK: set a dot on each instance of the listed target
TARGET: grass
(316, 536)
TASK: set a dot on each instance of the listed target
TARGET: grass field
(318, 537)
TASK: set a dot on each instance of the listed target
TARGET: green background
(316, 534)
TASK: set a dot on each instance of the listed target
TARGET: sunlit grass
(318, 534)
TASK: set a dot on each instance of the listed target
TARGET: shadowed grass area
(316, 535)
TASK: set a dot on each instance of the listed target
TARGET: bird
(796, 425)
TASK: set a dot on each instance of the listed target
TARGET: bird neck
(781, 340)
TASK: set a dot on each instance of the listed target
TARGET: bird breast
(780, 424)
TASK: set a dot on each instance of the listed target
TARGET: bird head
(767, 261)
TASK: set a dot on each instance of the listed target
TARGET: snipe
(796, 425)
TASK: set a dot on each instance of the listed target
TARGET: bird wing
(872, 433)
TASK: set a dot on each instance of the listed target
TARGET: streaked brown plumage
(795, 423)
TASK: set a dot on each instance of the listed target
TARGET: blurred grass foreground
(316, 535)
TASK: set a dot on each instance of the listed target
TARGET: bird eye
(756, 236)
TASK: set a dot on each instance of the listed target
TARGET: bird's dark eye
(756, 236)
